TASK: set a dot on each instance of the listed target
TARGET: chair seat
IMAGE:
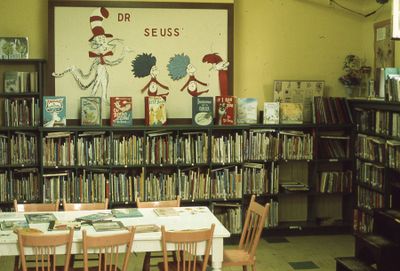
(95, 268)
(236, 257)
(172, 266)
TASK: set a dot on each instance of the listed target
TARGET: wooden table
(189, 218)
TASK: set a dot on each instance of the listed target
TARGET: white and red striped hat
(96, 20)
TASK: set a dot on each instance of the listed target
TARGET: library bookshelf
(377, 160)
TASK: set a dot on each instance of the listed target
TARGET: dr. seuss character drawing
(144, 65)
(221, 67)
(179, 66)
(102, 53)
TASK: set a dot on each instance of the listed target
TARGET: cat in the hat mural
(103, 54)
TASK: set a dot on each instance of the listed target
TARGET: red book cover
(121, 111)
(155, 111)
(225, 110)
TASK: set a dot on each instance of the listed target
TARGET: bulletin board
(138, 49)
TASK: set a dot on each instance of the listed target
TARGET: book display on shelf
(329, 110)
(230, 216)
(91, 111)
(291, 113)
(21, 82)
(121, 111)
(202, 111)
(225, 110)
(247, 111)
(271, 113)
(155, 110)
(54, 111)
(14, 48)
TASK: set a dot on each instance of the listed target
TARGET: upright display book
(291, 113)
(166, 212)
(271, 113)
(128, 212)
(121, 111)
(91, 111)
(108, 226)
(40, 218)
(202, 110)
(225, 110)
(247, 111)
(14, 47)
(155, 110)
(54, 111)
(11, 84)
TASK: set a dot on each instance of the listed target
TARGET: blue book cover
(54, 111)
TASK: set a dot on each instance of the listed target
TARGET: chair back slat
(85, 206)
(36, 207)
(186, 246)
(159, 204)
(253, 226)
(108, 248)
(44, 249)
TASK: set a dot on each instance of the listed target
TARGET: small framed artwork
(14, 47)
(396, 19)
(383, 45)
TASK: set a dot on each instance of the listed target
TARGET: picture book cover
(11, 84)
(121, 111)
(108, 226)
(95, 217)
(54, 111)
(271, 113)
(202, 110)
(128, 212)
(91, 111)
(14, 47)
(247, 109)
(291, 113)
(40, 218)
(155, 110)
(166, 212)
(11, 225)
(147, 228)
(225, 110)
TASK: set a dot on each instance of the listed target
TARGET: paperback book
(11, 225)
(95, 217)
(40, 218)
(166, 212)
(147, 228)
(247, 111)
(155, 110)
(108, 225)
(271, 113)
(128, 212)
(91, 111)
(121, 111)
(225, 110)
(202, 111)
(54, 111)
(291, 113)
(11, 84)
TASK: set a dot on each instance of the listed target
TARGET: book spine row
(363, 222)
(370, 148)
(370, 174)
(334, 148)
(4, 150)
(94, 150)
(373, 121)
(227, 149)
(161, 149)
(297, 147)
(161, 186)
(230, 215)
(123, 187)
(393, 154)
(369, 199)
(21, 82)
(226, 183)
(335, 181)
(194, 185)
(261, 146)
(193, 149)
(127, 150)
(260, 180)
(58, 151)
(23, 149)
(331, 110)
(273, 214)
(21, 112)
(22, 186)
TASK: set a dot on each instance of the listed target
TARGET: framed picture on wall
(139, 49)
(383, 45)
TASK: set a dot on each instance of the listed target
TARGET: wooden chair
(108, 248)
(155, 204)
(44, 247)
(33, 207)
(36, 207)
(85, 206)
(245, 254)
(186, 248)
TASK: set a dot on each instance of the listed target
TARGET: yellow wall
(274, 39)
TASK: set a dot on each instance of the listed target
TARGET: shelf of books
(20, 102)
(377, 159)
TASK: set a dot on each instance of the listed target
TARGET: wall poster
(138, 49)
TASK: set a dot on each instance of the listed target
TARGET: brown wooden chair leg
(16, 263)
(244, 267)
(146, 262)
(253, 267)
